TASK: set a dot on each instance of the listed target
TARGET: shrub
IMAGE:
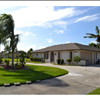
(7, 62)
(34, 58)
(69, 60)
(0, 60)
(17, 66)
(58, 61)
(77, 59)
(22, 59)
(62, 61)
(31, 59)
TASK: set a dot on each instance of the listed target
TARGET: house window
(71, 55)
(46, 55)
(36, 54)
(59, 55)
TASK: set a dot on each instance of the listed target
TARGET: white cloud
(49, 40)
(59, 31)
(29, 33)
(60, 23)
(67, 42)
(21, 46)
(93, 42)
(87, 18)
(24, 33)
(40, 16)
(63, 27)
(41, 47)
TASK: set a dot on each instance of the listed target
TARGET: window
(46, 55)
(36, 54)
(59, 55)
(71, 55)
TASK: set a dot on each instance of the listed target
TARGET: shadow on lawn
(33, 75)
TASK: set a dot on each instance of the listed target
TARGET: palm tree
(7, 31)
(97, 35)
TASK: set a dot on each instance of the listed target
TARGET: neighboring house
(64, 51)
(9, 55)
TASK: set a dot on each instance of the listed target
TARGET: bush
(0, 60)
(69, 60)
(31, 59)
(34, 58)
(77, 59)
(7, 62)
(22, 59)
(58, 61)
(62, 61)
(17, 66)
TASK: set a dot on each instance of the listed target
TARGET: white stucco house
(63, 51)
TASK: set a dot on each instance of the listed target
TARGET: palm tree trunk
(12, 58)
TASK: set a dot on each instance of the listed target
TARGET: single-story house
(89, 55)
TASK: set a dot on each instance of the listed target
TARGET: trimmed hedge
(36, 59)
(60, 61)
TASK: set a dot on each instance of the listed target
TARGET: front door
(52, 57)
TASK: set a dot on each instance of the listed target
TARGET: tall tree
(97, 35)
(7, 31)
(29, 51)
(94, 45)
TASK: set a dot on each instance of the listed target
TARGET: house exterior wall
(98, 56)
(48, 60)
(40, 55)
(65, 55)
(10, 55)
(83, 54)
(55, 57)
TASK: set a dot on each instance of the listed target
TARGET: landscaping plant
(0, 60)
(22, 59)
(69, 60)
(7, 62)
(76, 59)
(62, 61)
(58, 61)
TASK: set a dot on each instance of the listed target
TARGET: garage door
(87, 55)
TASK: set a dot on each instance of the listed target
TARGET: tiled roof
(69, 46)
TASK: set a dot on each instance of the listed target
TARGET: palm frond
(89, 37)
(91, 34)
(97, 30)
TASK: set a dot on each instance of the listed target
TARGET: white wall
(98, 55)
(39, 55)
(82, 62)
(48, 60)
(55, 57)
(65, 55)
(76, 53)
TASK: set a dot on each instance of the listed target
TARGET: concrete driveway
(80, 80)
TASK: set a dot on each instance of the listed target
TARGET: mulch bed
(10, 68)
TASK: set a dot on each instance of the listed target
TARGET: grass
(95, 92)
(15, 60)
(32, 74)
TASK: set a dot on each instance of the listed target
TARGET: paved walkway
(80, 80)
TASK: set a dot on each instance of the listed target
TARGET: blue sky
(40, 26)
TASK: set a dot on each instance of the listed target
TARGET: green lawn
(15, 60)
(32, 74)
(95, 92)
